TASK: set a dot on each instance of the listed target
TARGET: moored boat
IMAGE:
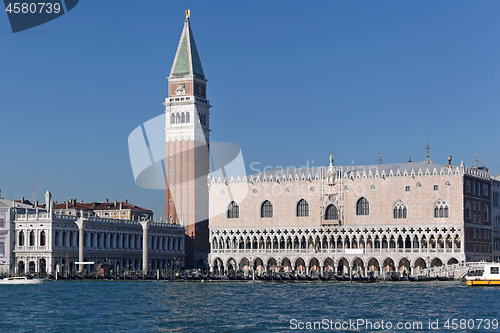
(490, 276)
(21, 280)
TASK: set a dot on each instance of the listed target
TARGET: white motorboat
(21, 280)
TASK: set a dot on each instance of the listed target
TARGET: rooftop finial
(427, 148)
(331, 159)
(188, 13)
(380, 159)
(409, 159)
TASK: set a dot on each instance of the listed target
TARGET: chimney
(93, 204)
(22, 199)
(36, 203)
(449, 160)
(115, 203)
(106, 200)
(121, 205)
(126, 200)
(67, 204)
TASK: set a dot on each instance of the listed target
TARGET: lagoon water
(260, 306)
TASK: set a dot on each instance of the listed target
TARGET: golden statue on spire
(188, 13)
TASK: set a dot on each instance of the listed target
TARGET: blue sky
(288, 81)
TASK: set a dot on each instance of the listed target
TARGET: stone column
(81, 225)
(145, 245)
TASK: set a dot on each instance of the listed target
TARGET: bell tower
(187, 165)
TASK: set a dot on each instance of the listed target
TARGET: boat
(21, 280)
(490, 276)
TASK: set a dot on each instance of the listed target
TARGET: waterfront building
(187, 132)
(46, 242)
(372, 219)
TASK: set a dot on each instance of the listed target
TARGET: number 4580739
(33, 8)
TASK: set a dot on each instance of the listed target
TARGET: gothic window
(362, 207)
(172, 118)
(183, 118)
(474, 188)
(399, 210)
(21, 238)
(331, 213)
(188, 119)
(467, 186)
(32, 238)
(441, 209)
(485, 190)
(266, 210)
(302, 208)
(479, 189)
(178, 118)
(486, 213)
(467, 210)
(233, 211)
(42, 238)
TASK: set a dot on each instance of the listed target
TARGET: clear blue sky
(288, 81)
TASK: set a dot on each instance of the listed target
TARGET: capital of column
(81, 222)
(145, 224)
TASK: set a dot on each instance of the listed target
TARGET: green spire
(187, 61)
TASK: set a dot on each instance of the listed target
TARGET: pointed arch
(399, 210)
(331, 212)
(233, 210)
(302, 208)
(441, 209)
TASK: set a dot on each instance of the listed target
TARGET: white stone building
(46, 242)
(366, 219)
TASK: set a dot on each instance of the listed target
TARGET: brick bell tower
(187, 156)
